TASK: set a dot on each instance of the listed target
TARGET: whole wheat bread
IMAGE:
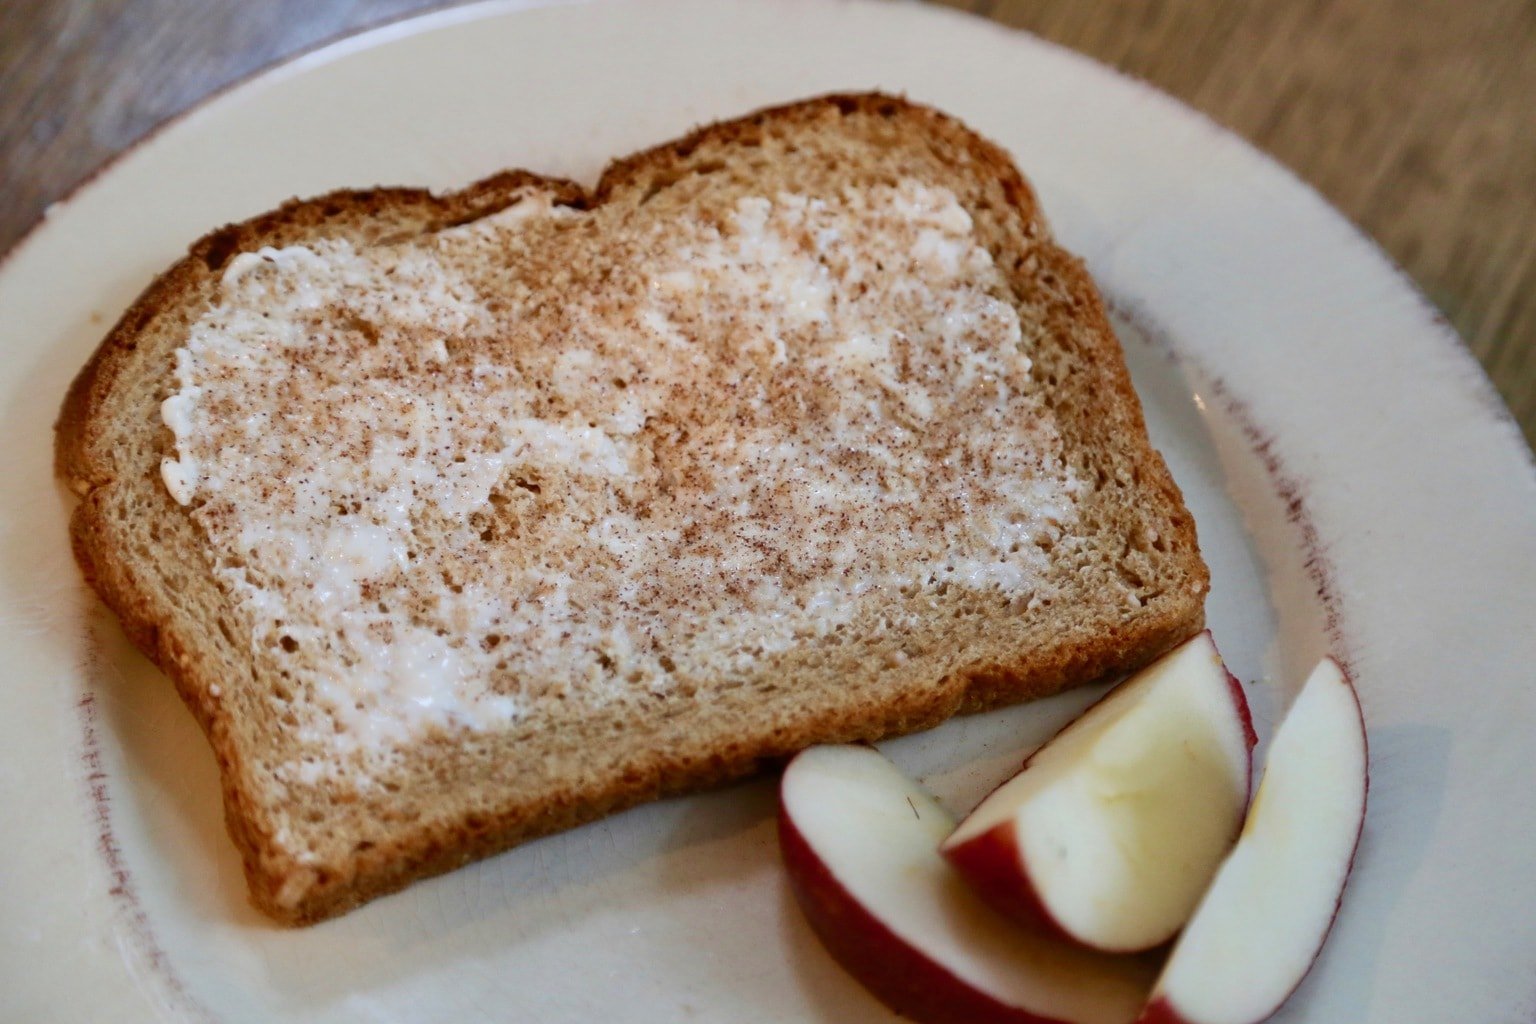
(657, 600)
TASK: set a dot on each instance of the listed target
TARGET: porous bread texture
(1125, 583)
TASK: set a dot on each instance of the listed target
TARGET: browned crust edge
(422, 853)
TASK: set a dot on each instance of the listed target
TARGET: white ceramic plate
(1358, 488)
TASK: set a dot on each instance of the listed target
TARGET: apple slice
(860, 844)
(1113, 829)
(1261, 925)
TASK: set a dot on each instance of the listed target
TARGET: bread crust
(296, 893)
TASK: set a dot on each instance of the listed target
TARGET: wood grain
(1417, 118)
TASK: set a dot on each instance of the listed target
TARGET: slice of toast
(460, 520)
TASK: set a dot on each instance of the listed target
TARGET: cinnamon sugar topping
(525, 460)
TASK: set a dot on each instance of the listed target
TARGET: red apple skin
(1160, 1011)
(991, 865)
(990, 862)
(1250, 737)
(899, 976)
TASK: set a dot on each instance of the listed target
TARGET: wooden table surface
(1417, 118)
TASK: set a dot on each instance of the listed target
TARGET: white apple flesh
(1111, 832)
(860, 843)
(1262, 923)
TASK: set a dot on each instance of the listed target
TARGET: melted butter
(438, 500)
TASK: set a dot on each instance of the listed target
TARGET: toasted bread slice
(458, 520)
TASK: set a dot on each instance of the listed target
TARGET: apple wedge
(860, 843)
(1262, 923)
(1111, 832)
